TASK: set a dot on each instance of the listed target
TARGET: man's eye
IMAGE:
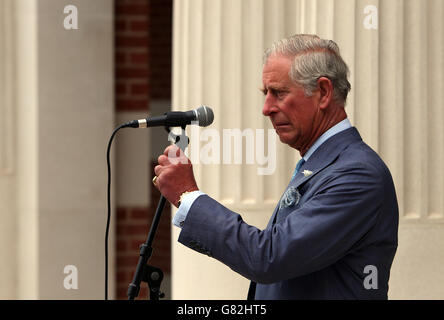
(280, 94)
(276, 93)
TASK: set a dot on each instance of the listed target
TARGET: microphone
(203, 115)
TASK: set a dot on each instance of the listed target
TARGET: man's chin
(286, 139)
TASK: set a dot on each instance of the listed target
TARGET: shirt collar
(340, 126)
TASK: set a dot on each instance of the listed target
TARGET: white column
(417, 268)
(8, 167)
(396, 103)
(56, 117)
(26, 276)
(75, 120)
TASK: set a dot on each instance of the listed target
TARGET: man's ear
(325, 92)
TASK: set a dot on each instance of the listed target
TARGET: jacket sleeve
(323, 230)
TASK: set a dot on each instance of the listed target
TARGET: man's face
(293, 115)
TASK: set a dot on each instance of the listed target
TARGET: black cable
(125, 125)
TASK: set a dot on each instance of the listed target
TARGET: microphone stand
(151, 275)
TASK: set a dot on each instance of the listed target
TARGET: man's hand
(174, 174)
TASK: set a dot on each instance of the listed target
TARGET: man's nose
(269, 105)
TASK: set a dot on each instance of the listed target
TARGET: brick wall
(160, 49)
(133, 225)
(132, 50)
(142, 74)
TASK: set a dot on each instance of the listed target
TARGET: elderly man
(333, 235)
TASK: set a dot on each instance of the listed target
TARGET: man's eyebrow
(274, 88)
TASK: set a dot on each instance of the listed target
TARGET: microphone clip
(182, 141)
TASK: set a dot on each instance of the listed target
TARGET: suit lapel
(321, 158)
(325, 155)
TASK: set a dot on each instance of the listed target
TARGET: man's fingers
(175, 155)
(172, 151)
(157, 170)
(163, 160)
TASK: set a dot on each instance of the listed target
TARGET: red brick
(165, 266)
(161, 9)
(136, 230)
(120, 58)
(163, 235)
(120, 230)
(139, 58)
(132, 9)
(121, 88)
(121, 213)
(162, 249)
(140, 89)
(131, 73)
(139, 25)
(135, 244)
(139, 213)
(120, 25)
(121, 293)
(162, 254)
(131, 41)
(122, 277)
(143, 293)
(121, 245)
(128, 261)
(131, 105)
(143, 40)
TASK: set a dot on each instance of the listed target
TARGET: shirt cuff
(185, 205)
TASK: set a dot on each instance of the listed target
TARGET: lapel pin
(307, 173)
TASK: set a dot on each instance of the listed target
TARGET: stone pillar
(394, 52)
(8, 155)
(57, 110)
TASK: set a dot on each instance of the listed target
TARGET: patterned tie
(298, 167)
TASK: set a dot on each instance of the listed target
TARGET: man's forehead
(277, 71)
(277, 64)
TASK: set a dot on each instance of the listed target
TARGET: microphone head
(204, 116)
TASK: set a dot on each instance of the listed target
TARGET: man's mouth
(281, 125)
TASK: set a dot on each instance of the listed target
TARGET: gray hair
(314, 58)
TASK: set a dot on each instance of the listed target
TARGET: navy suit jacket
(320, 247)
